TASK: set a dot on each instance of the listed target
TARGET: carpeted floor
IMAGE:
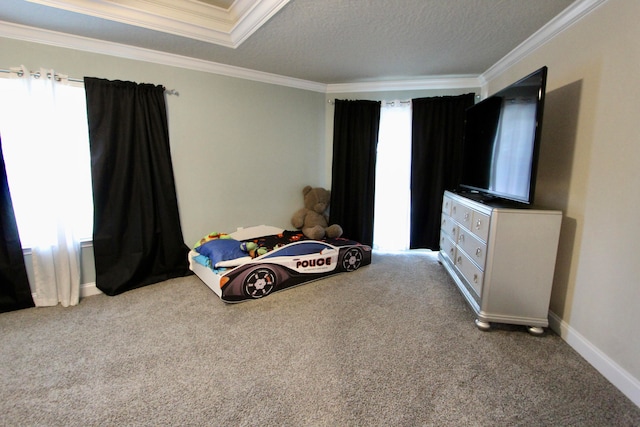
(392, 344)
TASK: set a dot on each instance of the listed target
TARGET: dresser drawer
(475, 248)
(447, 246)
(462, 213)
(480, 225)
(470, 271)
(446, 205)
(449, 227)
(475, 221)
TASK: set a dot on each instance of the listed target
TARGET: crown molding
(435, 82)
(52, 38)
(188, 18)
(568, 17)
(572, 14)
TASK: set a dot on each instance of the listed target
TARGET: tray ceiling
(328, 42)
(223, 22)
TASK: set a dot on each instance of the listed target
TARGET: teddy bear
(313, 219)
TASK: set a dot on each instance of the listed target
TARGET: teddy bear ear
(306, 190)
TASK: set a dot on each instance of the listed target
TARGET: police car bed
(254, 262)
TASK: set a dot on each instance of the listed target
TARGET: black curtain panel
(15, 292)
(355, 140)
(137, 237)
(437, 138)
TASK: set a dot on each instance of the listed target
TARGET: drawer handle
(461, 238)
(453, 230)
(451, 250)
(475, 278)
(459, 260)
(466, 216)
(478, 224)
(478, 251)
(454, 209)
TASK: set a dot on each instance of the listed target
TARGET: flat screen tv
(502, 141)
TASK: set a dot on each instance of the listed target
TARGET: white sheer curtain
(46, 150)
(391, 225)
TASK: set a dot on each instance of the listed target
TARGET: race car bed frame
(278, 259)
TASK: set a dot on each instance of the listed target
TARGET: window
(45, 142)
(393, 178)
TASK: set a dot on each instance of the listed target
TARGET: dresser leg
(483, 326)
(536, 330)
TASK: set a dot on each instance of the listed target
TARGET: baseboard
(89, 289)
(86, 290)
(620, 378)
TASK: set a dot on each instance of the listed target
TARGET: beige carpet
(392, 344)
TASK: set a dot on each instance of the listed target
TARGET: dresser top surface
(488, 204)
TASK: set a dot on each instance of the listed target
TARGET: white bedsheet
(248, 233)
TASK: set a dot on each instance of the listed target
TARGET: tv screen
(502, 140)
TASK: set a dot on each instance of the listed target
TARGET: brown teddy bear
(313, 219)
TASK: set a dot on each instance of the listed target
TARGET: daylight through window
(393, 175)
(45, 142)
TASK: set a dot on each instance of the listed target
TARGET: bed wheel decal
(260, 282)
(352, 259)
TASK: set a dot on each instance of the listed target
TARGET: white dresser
(502, 258)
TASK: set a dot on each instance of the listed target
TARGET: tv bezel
(488, 194)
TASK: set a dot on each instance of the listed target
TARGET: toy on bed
(313, 219)
(253, 262)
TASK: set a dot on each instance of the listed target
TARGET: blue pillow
(221, 250)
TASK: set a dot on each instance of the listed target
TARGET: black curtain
(15, 292)
(137, 237)
(355, 140)
(437, 138)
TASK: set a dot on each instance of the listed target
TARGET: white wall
(589, 166)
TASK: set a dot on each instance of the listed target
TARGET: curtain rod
(37, 75)
(56, 77)
(392, 103)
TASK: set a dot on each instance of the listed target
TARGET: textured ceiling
(339, 41)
